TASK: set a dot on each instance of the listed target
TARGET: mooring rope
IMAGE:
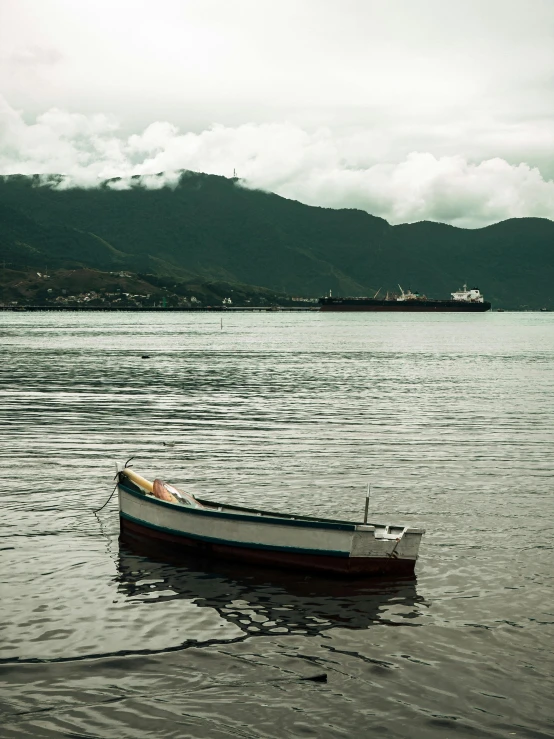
(97, 510)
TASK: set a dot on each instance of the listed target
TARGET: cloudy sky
(409, 109)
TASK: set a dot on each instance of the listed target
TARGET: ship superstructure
(468, 296)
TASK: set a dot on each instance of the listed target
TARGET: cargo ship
(461, 301)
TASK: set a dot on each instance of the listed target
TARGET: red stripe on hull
(169, 544)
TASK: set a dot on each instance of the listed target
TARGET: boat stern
(392, 548)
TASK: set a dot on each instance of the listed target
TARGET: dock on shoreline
(150, 309)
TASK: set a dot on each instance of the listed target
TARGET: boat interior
(210, 505)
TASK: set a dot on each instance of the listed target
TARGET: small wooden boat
(155, 512)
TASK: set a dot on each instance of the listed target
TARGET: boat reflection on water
(262, 602)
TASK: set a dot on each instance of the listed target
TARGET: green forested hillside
(211, 228)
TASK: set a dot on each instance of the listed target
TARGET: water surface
(452, 419)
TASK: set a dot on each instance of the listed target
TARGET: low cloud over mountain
(318, 167)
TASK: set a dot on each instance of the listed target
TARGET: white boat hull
(269, 539)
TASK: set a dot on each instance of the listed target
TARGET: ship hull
(402, 306)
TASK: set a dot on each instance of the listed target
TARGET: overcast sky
(409, 109)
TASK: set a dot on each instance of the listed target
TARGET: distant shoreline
(135, 309)
(207, 309)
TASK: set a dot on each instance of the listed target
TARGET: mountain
(209, 228)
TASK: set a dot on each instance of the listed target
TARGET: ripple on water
(450, 416)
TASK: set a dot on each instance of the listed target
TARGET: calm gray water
(452, 419)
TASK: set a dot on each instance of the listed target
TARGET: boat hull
(272, 540)
(163, 542)
(403, 306)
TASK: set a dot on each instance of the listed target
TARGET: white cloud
(423, 187)
(34, 56)
(318, 167)
(340, 61)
